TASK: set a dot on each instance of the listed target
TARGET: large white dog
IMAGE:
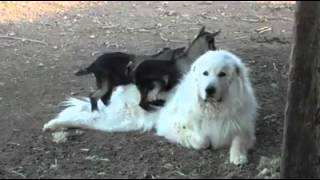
(214, 105)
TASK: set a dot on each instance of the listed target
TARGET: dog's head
(215, 72)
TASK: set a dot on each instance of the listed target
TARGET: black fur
(155, 72)
(111, 70)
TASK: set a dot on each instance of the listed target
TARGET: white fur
(190, 117)
(122, 115)
(190, 121)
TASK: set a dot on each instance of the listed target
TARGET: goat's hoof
(158, 102)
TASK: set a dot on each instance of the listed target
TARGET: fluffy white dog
(214, 105)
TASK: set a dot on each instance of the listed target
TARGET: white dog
(214, 105)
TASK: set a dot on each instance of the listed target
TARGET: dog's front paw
(47, 127)
(238, 159)
(193, 140)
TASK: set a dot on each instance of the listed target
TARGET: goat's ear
(216, 33)
(177, 52)
(180, 50)
(163, 50)
(202, 30)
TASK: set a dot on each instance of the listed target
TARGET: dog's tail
(113, 118)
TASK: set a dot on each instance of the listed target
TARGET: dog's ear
(193, 73)
(239, 72)
(193, 68)
(237, 69)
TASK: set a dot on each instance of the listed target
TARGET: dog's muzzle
(211, 92)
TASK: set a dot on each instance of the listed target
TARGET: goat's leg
(144, 97)
(104, 88)
(106, 97)
(159, 86)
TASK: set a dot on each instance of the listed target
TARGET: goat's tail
(82, 72)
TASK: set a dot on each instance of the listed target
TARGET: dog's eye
(206, 73)
(221, 74)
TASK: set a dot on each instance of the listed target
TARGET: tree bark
(301, 142)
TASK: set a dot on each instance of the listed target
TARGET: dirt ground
(40, 54)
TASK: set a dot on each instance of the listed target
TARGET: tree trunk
(301, 145)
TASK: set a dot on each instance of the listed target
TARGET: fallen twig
(96, 158)
(287, 19)
(19, 174)
(163, 38)
(168, 40)
(251, 20)
(208, 17)
(241, 37)
(13, 143)
(263, 29)
(144, 30)
(180, 173)
(275, 67)
(23, 39)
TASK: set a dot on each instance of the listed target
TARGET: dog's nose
(210, 90)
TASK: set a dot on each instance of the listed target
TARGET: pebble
(73, 93)
(274, 85)
(168, 166)
(85, 150)
(12, 34)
